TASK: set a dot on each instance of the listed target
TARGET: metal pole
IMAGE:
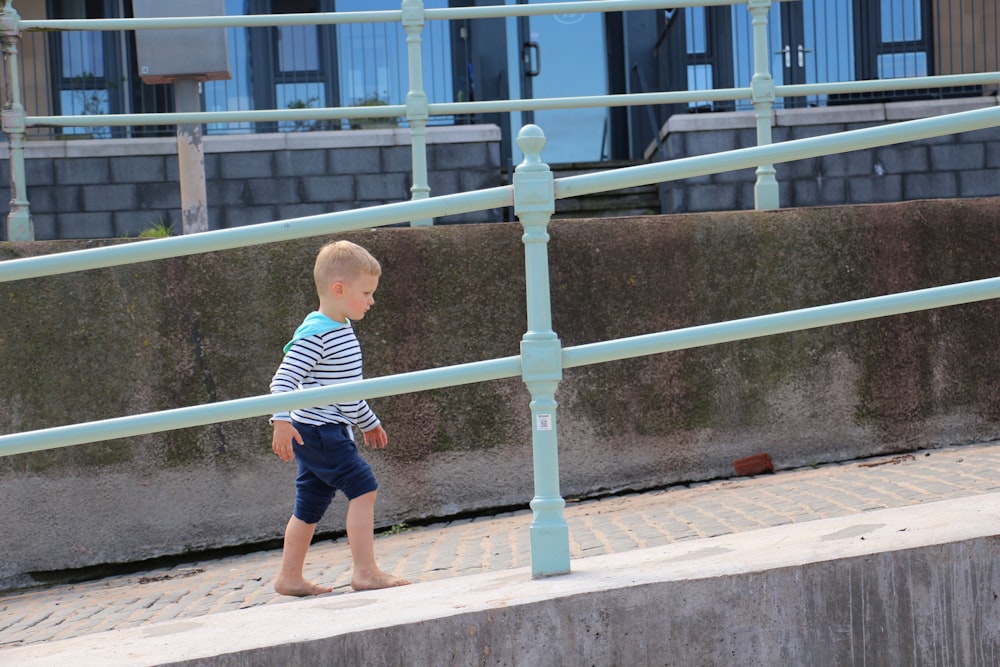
(19, 224)
(191, 159)
(765, 192)
(541, 355)
(417, 109)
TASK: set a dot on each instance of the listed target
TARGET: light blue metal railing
(542, 358)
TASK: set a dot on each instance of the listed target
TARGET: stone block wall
(84, 189)
(959, 165)
(204, 328)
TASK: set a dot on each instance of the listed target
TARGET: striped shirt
(323, 359)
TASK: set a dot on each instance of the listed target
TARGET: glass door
(828, 38)
(809, 42)
(564, 55)
(792, 49)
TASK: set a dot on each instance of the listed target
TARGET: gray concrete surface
(177, 333)
(889, 560)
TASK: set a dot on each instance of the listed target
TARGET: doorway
(565, 55)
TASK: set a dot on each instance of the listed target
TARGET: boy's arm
(296, 363)
(284, 436)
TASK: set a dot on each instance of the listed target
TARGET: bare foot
(301, 588)
(375, 581)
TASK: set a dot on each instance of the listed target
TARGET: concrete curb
(896, 586)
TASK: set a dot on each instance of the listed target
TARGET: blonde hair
(343, 260)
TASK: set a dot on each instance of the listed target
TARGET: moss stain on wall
(205, 328)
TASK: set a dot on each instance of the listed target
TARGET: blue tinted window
(900, 20)
(898, 65)
(697, 36)
(82, 54)
(234, 94)
(699, 78)
(298, 48)
(372, 58)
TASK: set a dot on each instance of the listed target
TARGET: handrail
(567, 187)
(389, 110)
(504, 367)
(495, 106)
(245, 408)
(377, 16)
(798, 149)
(240, 237)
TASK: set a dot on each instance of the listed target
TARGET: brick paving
(449, 549)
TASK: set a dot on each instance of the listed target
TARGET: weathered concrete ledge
(206, 328)
(914, 585)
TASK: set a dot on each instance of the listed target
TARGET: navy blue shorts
(328, 461)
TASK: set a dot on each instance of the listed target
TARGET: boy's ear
(337, 288)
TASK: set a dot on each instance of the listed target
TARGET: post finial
(9, 19)
(531, 140)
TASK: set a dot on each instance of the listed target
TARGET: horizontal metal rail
(245, 408)
(503, 106)
(570, 186)
(379, 16)
(907, 83)
(388, 110)
(778, 323)
(798, 149)
(257, 234)
(505, 367)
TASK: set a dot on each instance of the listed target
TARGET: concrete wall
(168, 334)
(83, 189)
(960, 165)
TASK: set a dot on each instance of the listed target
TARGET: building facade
(528, 57)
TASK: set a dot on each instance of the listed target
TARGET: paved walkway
(611, 525)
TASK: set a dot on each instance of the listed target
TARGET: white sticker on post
(543, 422)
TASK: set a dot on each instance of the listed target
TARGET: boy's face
(355, 296)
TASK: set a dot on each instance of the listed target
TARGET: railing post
(417, 109)
(19, 224)
(191, 159)
(541, 355)
(765, 192)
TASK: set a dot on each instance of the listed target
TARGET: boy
(324, 351)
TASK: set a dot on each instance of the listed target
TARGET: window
(86, 66)
(372, 58)
(892, 41)
(236, 93)
(902, 48)
(708, 65)
(276, 67)
(302, 76)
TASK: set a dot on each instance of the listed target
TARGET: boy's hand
(376, 438)
(281, 442)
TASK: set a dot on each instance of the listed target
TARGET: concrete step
(643, 200)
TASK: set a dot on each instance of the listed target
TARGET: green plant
(92, 100)
(308, 125)
(157, 231)
(374, 100)
(398, 529)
